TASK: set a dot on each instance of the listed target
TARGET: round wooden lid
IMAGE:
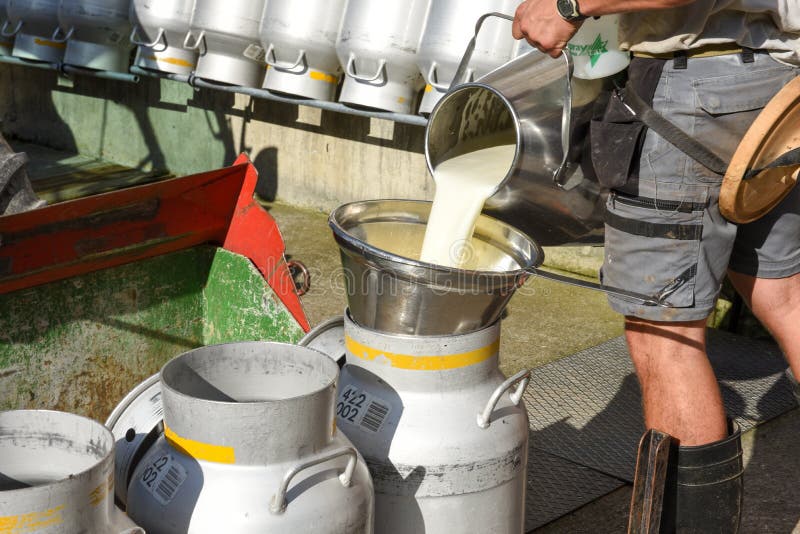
(775, 131)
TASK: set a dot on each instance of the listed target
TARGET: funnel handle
(523, 378)
(658, 299)
(278, 504)
(462, 75)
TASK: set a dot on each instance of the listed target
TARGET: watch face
(565, 8)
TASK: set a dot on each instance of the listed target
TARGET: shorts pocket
(653, 247)
(616, 143)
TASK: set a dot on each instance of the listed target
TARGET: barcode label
(162, 478)
(357, 407)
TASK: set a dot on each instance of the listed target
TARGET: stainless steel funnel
(390, 290)
(533, 101)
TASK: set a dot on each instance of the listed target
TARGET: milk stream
(463, 183)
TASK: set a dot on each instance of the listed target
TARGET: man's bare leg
(776, 303)
(680, 392)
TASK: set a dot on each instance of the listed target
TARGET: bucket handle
(278, 504)
(350, 70)
(198, 41)
(58, 33)
(522, 378)
(138, 42)
(462, 72)
(272, 60)
(16, 30)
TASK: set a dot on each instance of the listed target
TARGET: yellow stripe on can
(51, 44)
(422, 363)
(322, 77)
(31, 522)
(428, 88)
(220, 454)
(173, 61)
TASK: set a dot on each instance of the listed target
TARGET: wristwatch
(569, 10)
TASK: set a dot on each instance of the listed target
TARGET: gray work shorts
(669, 235)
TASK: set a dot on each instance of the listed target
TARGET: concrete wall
(305, 156)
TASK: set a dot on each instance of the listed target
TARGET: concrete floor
(547, 321)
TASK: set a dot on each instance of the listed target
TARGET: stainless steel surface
(136, 423)
(96, 33)
(246, 423)
(328, 338)
(388, 289)
(550, 191)
(31, 23)
(448, 29)
(376, 45)
(409, 404)
(56, 475)
(225, 33)
(300, 43)
(646, 300)
(159, 29)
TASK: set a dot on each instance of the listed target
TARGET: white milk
(463, 184)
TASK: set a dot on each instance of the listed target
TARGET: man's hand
(540, 24)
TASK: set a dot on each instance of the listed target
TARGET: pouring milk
(463, 183)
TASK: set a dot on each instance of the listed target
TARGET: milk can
(31, 24)
(299, 40)
(6, 42)
(57, 475)
(250, 446)
(96, 33)
(225, 33)
(377, 44)
(550, 190)
(421, 395)
(449, 27)
(159, 29)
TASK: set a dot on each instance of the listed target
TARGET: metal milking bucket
(534, 102)
(57, 475)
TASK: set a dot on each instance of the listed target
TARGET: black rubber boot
(708, 489)
(794, 384)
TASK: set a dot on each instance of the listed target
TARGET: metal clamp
(16, 30)
(278, 504)
(57, 35)
(198, 41)
(138, 42)
(350, 70)
(272, 60)
(523, 377)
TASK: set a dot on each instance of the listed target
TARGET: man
(708, 66)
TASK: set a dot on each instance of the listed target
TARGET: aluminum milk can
(159, 29)
(377, 44)
(31, 24)
(299, 40)
(225, 33)
(449, 28)
(97, 33)
(57, 475)
(250, 446)
(550, 190)
(6, 42)
(442, 430)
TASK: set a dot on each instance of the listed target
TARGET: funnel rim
(345, 238)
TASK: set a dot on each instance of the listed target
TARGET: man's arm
(540, 24)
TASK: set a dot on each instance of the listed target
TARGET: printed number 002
(347, 412)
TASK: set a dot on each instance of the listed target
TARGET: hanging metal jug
(532, 101)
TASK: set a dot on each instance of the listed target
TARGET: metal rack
(68, 70)
(267, 95)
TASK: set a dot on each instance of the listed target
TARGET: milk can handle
(462, 75)
(523, 377)
(432, 76)
(352, 73)
(198, 41)
(57, 39)
(278, 504)
(16, 30)
(272, 60)
(138, 42)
